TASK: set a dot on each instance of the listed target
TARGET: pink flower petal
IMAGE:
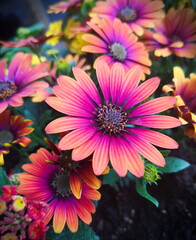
(86, 84)
(154, 106)
(101, 154)
(85, 149)
(147, 150)
(14, 64)
(155, 138)
(66, 124)
(2, 69)
(157, 121)
(50, 212)
(116, 83)
(76, 137)
(143, 91)
(15, 101)
(3, 106)
(132, 79)
(118, 157)
(103, 76)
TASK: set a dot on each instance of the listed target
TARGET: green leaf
(173, 164)
(165, 153)
(111, 178)
(141, 189)
(4, 180)
(24, 32)
(84, 233)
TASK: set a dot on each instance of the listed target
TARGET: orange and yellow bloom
(175, 34)
(13, 129)
(67, 187)
(184, 89)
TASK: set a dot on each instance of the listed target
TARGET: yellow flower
(76, 44)
(68, 32)
(18, 203)
(54, 29)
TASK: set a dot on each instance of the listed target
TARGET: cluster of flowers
(19, 218)
(105, 119)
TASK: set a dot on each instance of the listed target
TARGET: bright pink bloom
(37, 230)
(8, 192)
(51, 183)
(37, 210)
(117, 43)
(20, 80)
(109, 127)
(175, 34)
(138, 14)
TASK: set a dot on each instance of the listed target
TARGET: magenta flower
(20, 80)
(112, 127)
(137, 14)
(117, 43)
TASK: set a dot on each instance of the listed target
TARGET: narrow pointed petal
(147, 150)
(101, 155)
(50, 212)
(88, 204)
(103, 76)
(155, 138)
(59, 219)
(132, 79)
(154, 106)
(76, 138)
(89, 178)
(156, 121)
(63, 124)
(71, 216)
(116, 77)
(143, 91)
(82, 212)
(75, 185)
(86, 149)
(117, 156)
(86, 84)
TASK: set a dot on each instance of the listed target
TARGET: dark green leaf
(165, 153)
(173, 164)
(141, 189)
(4, 180)
(111, 178)
(84, 233)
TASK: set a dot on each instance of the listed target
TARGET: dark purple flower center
(111, 118)
(127, 14)
(118, 51)
(7, 89)
(5, 137)
(60, 183)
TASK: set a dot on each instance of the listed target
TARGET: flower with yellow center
(18, 203)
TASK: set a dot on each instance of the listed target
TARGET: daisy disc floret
(64, 184)
(136, 14)
(20, 80)
(107, 121)
(117, 43)
(175, 34)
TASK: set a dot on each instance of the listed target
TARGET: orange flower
(12, 131)
(175, 34)
(184, 89)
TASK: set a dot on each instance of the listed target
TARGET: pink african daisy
(20, 80)
(57, 185)
(118, 44)
(108, 123)
(138, 14)
(175, 34)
